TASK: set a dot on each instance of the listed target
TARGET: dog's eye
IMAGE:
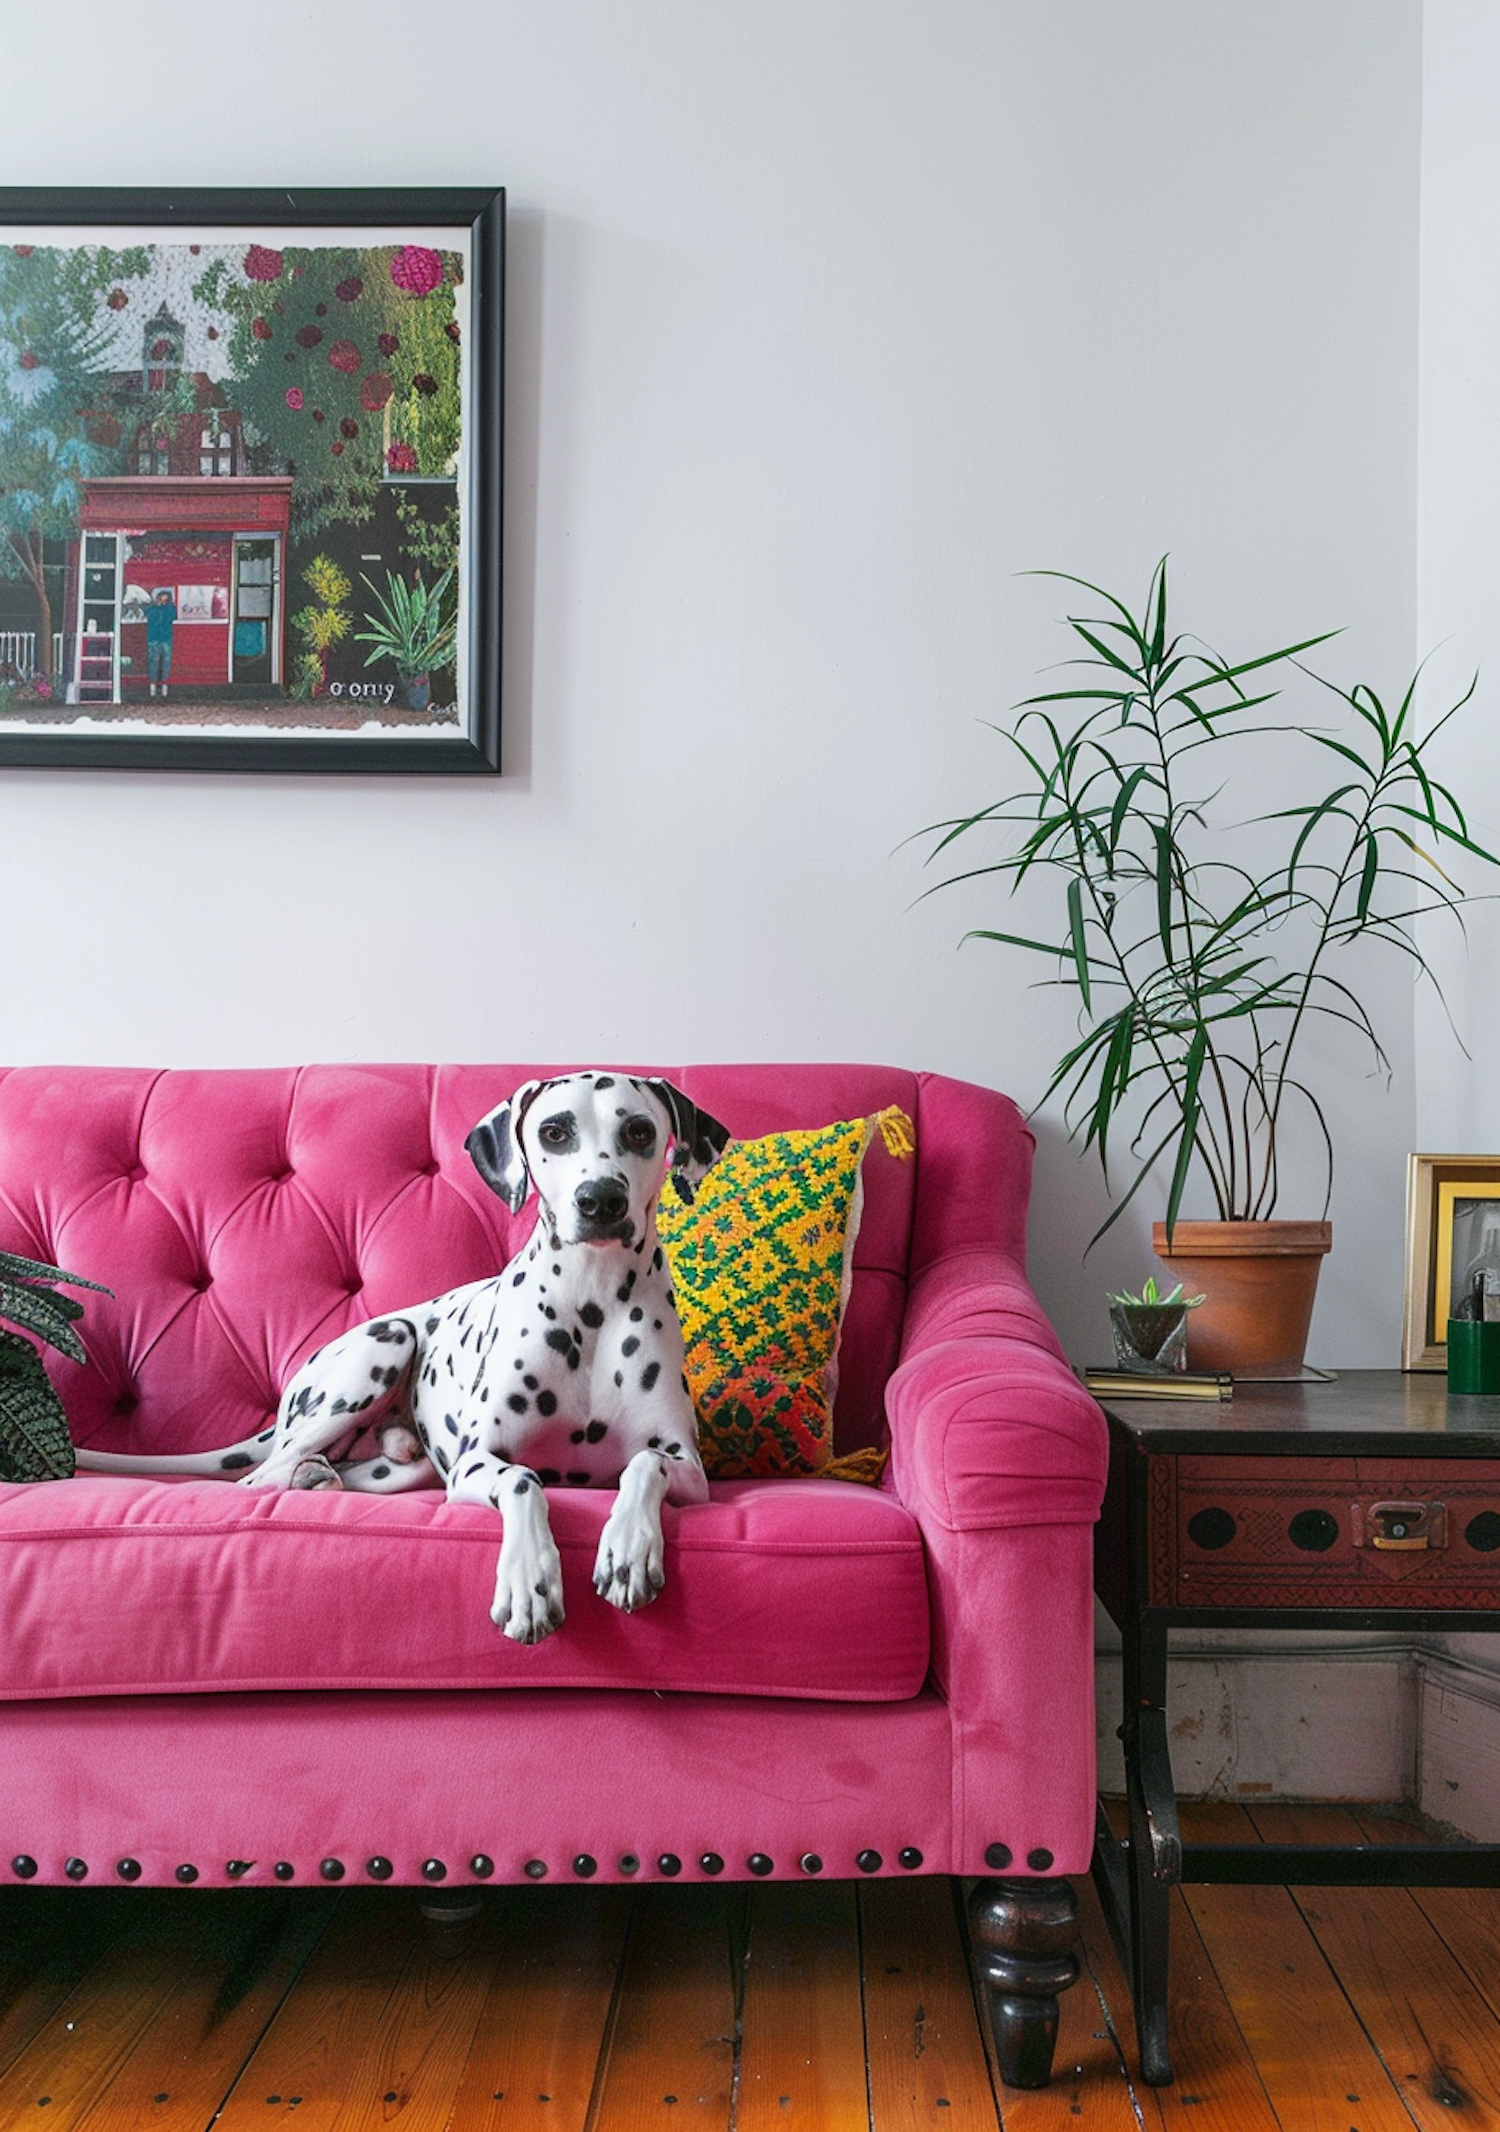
(639, 1135)
(555, 1134)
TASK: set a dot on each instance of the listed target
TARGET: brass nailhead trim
(669, 1864)
(911, 1858)
(76, 1869)
(1040, 1861)
(284, 1869)
(332, 1869)
(998, 1856)
(760, 1864)
(711, 1862)
(811, 1862)
(23, 1867)
(129, 1868)
(434, 1869)
(869, 1861)
(480, 1866)
(536, 1869)
(584, 1866)
(187, 1874)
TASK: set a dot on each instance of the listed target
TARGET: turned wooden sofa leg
(1021, 1941)
(449, 1920)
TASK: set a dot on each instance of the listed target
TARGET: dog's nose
(601, 1199)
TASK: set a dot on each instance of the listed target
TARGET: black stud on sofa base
(1022, 1934)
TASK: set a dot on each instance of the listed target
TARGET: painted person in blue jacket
(160, 616)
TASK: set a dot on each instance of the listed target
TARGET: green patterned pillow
(761, 1264)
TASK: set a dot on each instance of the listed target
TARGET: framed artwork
(283, 412)
(1452, 1240)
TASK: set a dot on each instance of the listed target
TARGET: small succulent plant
(1151, 1298)
(34, 1441)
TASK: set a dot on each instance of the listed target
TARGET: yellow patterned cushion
(761, 1264)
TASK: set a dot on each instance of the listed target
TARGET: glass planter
(1150, 1338)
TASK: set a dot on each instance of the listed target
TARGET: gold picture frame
(1446, 1216)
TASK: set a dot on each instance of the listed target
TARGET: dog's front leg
(528, 1602)
(630, 1568)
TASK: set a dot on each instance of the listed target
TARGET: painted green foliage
(56, 427)
(345, 365)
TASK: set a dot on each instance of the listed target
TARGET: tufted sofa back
(243, 1218)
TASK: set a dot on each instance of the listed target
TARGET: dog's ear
(495, 1147)
(700, 1139)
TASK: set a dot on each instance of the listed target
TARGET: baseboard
(1401, 1720)
(1266, 1722)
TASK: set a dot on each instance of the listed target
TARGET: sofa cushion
(115, 1587)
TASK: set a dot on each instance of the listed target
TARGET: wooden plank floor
(811, 2008)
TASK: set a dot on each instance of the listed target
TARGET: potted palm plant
(34, 1441)
(1197, 961)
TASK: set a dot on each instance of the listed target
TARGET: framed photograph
(250, 479)
(1452, 1240)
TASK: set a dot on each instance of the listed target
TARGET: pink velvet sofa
(218, 1686)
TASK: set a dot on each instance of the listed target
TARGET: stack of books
(1181, 1384)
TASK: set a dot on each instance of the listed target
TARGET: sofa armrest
(989, 1426)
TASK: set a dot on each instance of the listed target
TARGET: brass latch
(1406, 1528)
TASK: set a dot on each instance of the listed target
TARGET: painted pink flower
(388, 343)
(374, 391)
(117, 299)
(451, 329)
(23, 251)
(344, 356)
(318, 415)
(294, 398)
(350, 291)
(261, 328)
(309, 336)
(401, 459)
(337, 450)
(416, 269)
(263, 264)
(29, 360)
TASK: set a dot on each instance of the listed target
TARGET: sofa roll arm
(989, 1425)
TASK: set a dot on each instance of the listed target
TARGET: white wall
(826, 317)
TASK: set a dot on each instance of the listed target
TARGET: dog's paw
(528, 1595)
(315, 1473)
(630, 1567)
(400, 1443)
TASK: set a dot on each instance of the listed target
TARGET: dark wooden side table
(1370, 1501)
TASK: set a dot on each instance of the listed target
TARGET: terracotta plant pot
(1260, 1279)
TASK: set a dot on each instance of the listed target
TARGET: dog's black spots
(557, 1269)
(636, 1315)
(450, 1424)
(656, 1260)
(579, 1480)
(559, 1341)
(315, 1402)
(484, 1396)
(674, 1450)
(439, 1458)
(518, 1280)
(670, 1297)
(529, 1381)
(656, 1324)
(604, 1080)
(433, 1323)
(649, 1376)
(591, 1315)
(452, 1372)
(549, 1476)
(380, 1377)
(629, 1345)
(236, 1459)
(653, 1443)
(519, 1403)
(596, 1430)
(340, 1406)
(358, 1406)
(522, 1487)
(619, 1379)
(380, 1473)
(546, 1403)
(541, 1589)
(548, 1312)
(576, 1436)
(573, 1358)
(265, 1436)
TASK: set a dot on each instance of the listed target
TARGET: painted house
(218, 543)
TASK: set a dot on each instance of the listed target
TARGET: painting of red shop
(218, 547)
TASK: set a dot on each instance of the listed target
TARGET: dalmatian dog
(564, 1369)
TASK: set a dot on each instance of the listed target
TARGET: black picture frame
(458, 739)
